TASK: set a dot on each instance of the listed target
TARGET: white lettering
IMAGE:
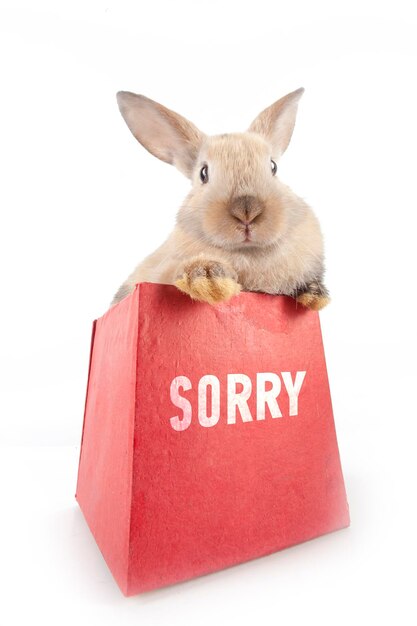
(268, 388)
(293, 389)
(238, 400)
(181, 403)
(203, 418)
(264, 397)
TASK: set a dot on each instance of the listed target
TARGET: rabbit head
(237, 200)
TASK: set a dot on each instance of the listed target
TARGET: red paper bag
(208, 435)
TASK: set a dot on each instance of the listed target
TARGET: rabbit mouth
(247, 240)
(244, 231)
(247, 234)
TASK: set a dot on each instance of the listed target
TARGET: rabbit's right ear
(164, 133)
(276, 123)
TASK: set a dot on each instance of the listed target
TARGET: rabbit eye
(204, 174)
(273, 167)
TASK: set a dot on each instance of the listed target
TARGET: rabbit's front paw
(315, 296)
(207, 281)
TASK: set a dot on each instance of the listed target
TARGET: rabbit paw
(312, 301)
(315, 296)
(207, 281)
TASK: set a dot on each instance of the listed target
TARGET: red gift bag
(208, 435)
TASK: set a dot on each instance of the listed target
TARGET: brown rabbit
(239, 227)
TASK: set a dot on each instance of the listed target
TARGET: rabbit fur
(239, 227)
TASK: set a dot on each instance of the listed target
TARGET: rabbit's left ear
(164, 133)
(276, 123)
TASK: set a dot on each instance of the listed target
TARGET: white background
(81, 203)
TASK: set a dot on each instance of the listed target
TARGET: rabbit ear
(164, 133)
(276, 123)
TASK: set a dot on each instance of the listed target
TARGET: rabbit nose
(246, 208)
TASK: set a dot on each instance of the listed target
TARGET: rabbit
(239, 227)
